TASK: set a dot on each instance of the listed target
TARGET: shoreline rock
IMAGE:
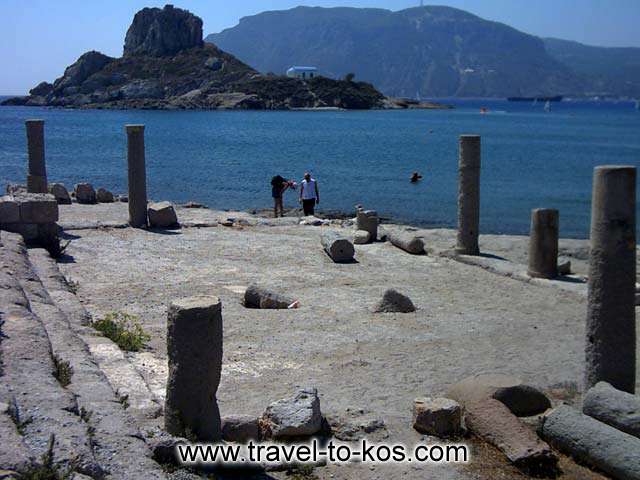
(167, 66)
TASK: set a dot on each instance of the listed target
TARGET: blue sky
(39, 38)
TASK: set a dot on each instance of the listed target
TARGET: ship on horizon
(556, 98)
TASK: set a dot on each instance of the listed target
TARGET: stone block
(9, 210)
(37, 208)
(162, 215)
(293, 417)
(440, 417)
(240, 428)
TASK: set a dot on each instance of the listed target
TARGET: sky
(39, 38)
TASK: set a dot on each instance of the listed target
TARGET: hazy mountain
(438, 51)
(612, 71)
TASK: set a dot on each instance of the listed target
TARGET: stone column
(543, 243)
(469, 195)
(137, 176)
(368, 221)
(611, 322)
(37, 172)
(194, 348)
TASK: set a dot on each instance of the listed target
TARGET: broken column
(337, 247)
(37, 174)
(194, 349)
(137, 176)
(468, 195)
(592, 442)
(368, 221)
(543, 243)
(258, 297)
(407, 242)
(610, 350)
(614, 407)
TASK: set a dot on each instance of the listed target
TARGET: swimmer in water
(415, 177)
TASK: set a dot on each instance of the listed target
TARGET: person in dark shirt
(279, 185)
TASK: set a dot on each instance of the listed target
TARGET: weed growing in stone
(123, 329)
(46, 469)
(62, 371)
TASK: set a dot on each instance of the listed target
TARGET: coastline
(512, 248)
(388, 103)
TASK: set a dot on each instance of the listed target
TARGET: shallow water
(226, 159)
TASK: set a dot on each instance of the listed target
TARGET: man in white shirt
(309, 194)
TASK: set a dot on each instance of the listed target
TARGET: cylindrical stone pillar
(137, 176)
(468, 195)
(194, 348)
(37, 170)
(368, 221)
(543, 243)
(610, 348)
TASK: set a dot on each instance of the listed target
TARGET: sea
(226, 159)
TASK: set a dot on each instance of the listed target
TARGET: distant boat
(547, 106)
(557, 98)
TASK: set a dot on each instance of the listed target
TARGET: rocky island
(167, 65)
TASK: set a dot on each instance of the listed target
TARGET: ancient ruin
(37, 176)
(469, 195)
(543, 243)
(137, 175)
(611, 319)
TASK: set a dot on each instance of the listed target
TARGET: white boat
(547, 106)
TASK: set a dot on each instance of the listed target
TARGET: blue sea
(530, 158)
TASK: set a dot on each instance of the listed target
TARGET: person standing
(278, 186)
(309, 194)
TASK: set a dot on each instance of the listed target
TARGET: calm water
(226, 159)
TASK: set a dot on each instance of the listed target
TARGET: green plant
(63, 371)
(124, 329)
(46, 469)
(124, 400)
(16, 416)
(73, 285)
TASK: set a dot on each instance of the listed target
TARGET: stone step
(116, 442)
(41, 409)
(124, 378)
